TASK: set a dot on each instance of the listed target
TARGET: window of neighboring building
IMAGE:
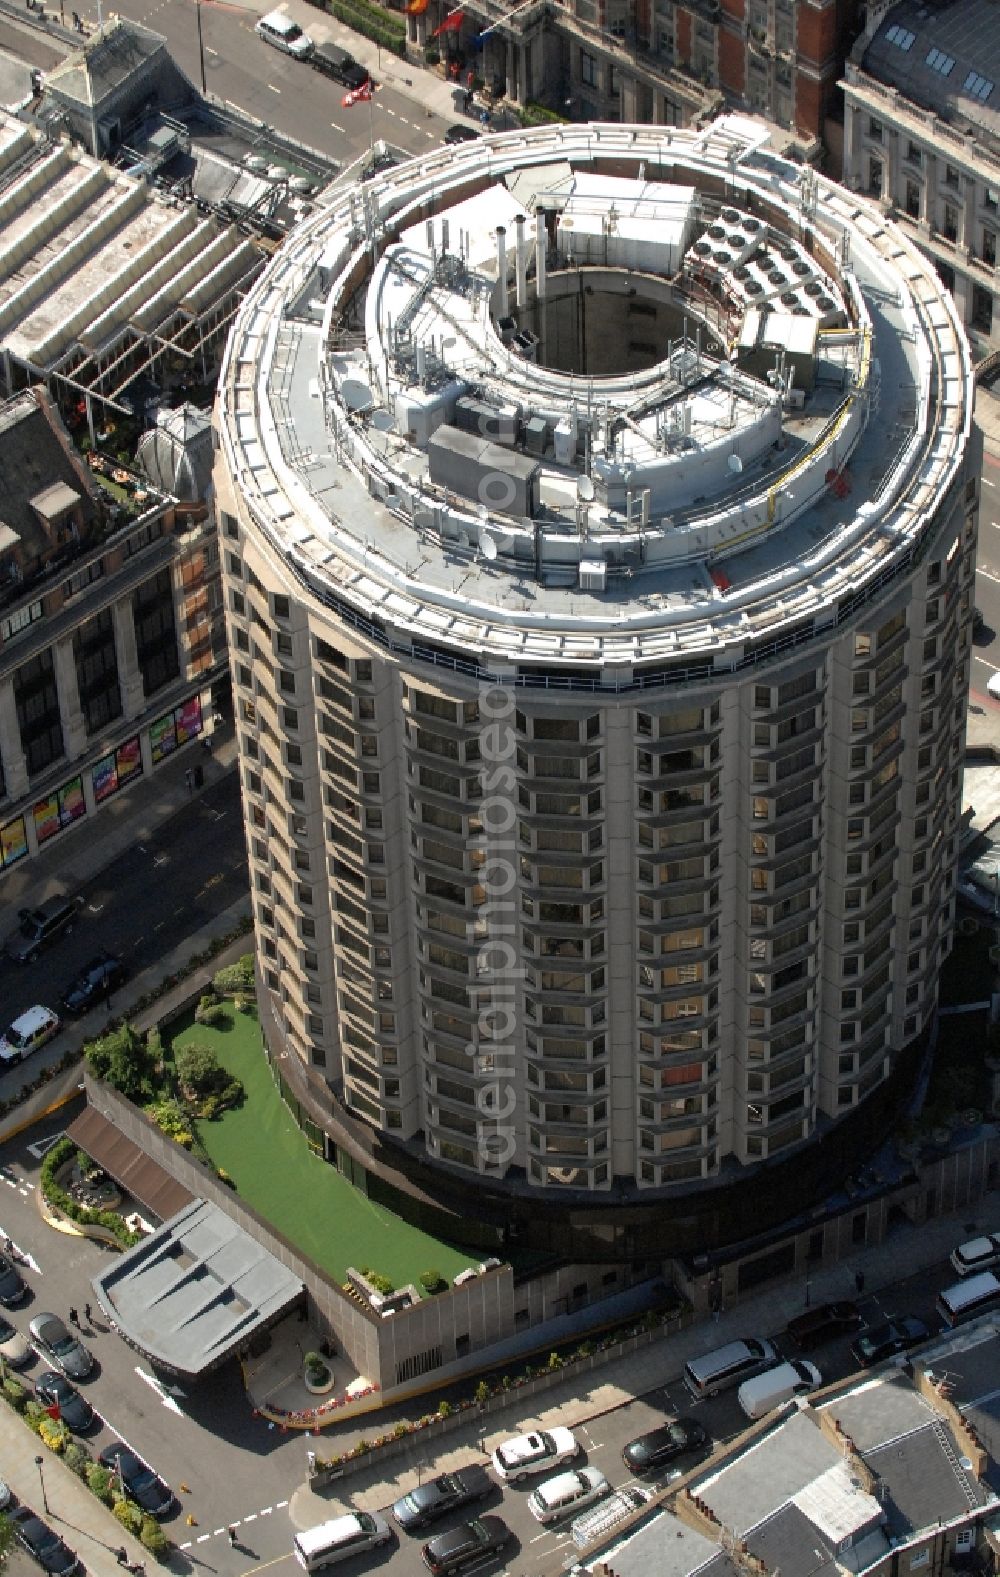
(979, 87)
(875, 177)
(950, 175)
(940, 62)
(950, 227)
(155, 632)
(37, 701)
(991, 200)
(588, 69)
(900, 36)
(912, 199)
(29, 614)
(875, 129)
(913, 152)
(946, 275)
(97, 671)
(990, 247)
(965, 1538)
(982, 309)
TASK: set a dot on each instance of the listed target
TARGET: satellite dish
(584, 489)
(735, 464)
(487, 546)
(382, 421)
(356, 395)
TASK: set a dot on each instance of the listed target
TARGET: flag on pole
(357, 95)
(54, 1412)
(451, 24)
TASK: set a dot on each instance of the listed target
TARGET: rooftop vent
(800, 267)
(730, 216)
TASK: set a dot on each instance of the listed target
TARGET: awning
(159, 1193)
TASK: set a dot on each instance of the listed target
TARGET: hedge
(370, 23)
(56, 1196)
(537, 115)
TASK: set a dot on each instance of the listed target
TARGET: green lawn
(301, 1195)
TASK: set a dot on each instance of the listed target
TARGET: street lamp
(41, 1480)
(201, 51)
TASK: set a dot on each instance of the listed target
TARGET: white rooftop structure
(706, 495)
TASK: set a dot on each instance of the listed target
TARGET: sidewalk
(82, 850)
(89, 1528)
(907, 1250)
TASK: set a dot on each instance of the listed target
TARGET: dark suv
(38, 927)
(335, 62)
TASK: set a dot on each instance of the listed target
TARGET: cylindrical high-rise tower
(600, 677)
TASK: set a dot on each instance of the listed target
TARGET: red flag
(54, 1412)
(451, 24)
(357, 94)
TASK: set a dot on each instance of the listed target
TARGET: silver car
(71, 1356)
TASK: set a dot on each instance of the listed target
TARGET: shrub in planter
(77, 1458)
(445, 1409)
(482, 1393)
(555, 1361)
(128, 1514)
(99, 1482)
(382, 1284)
(54, 1434)
(153, 1538)
(399, 1430)
(121, 1059)
(432, 1281)
(316, 1368)
(15, 1393)
(154, 1044)
(432, 56)
(361, 1448)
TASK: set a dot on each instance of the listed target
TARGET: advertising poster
(72, 804)
(128, 760)
(162, 737)
(104, 776)
(13, 842)
(188, 719)
(46, 814)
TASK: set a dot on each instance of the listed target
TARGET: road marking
(280, 1505)
(214, 52)
(987, 576)
(266, 1511)
(988, 482)
(984, 660)
(158, 1387)
(274, 89)
(250, 1517)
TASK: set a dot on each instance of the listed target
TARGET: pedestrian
(87, 1314)
(231, 1534)
(121, 1555)
(74, 1318)
(859, 1282)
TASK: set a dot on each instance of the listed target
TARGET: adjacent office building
(922, 136)
(598, 519)
(663, 61)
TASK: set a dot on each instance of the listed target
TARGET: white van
(966, 1299)
(727, 1366)
(278, 29)
(768, 1390)
(334, 1541)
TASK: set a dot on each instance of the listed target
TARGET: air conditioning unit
(593, 575)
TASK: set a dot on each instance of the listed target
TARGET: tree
(121, 1059)
(198, 1069)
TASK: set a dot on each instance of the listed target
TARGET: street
(228, 1467)
(145, 903)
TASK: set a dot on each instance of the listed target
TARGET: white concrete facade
(604, 839)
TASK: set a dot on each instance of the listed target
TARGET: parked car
(822, 1324)
(567, 1493)
(6, 1495)
(29, 1031)
(65, 1351)
(885, 1341)
(598, 1521)
(38, 927)
(469, 1542)
(47, 1547)
(15, 1347)
(283, 33)
(12, 1287)
(435, 1499)
(94, 983)
(649, 1452)
(762, 1393)
(54, 1390)
(460, 133)
(515, 1459)
(993, 686)
(335, 62)
(981, 1253)
(146, 1488)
